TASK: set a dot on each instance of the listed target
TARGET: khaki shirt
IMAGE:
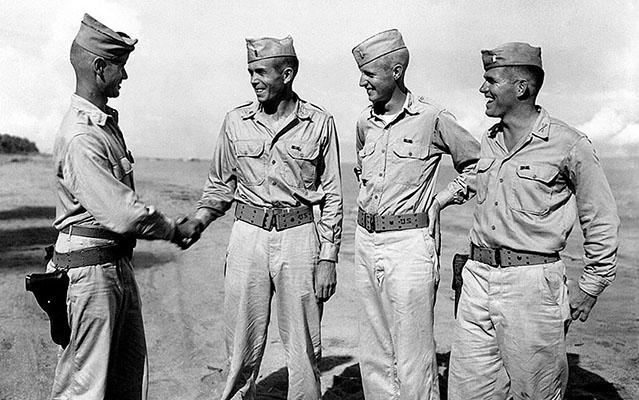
(528, 198)
(294, 166)
(94, 176)
(398, 162)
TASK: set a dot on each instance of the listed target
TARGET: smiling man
(401, 139)
(534, 176)
(277, 159)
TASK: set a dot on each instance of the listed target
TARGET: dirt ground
(182, 294)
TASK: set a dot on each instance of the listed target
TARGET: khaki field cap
(100, 40)
(266, 47)
(377, 46)
(510, 54)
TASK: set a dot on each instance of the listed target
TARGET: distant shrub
(16, 145)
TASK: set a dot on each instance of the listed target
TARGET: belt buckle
(497, 257)
(269, 219)
(370, 223)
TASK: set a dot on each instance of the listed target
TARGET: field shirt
(294, 166)
(527, 198)
(94, 176)
(398, 161)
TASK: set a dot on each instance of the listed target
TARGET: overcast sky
(189, 67)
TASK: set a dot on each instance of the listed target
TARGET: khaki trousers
(106, 356)
(397, 276)
(511, 318)
(261, 265)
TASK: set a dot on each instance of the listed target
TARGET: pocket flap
(303, 151)
(249, 148)
(409, 150)
(541, 173)
(484, 164)
(368, 149)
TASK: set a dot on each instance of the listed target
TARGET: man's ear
(398, 71)
(99, 64)
(288, 74)
(523, 91)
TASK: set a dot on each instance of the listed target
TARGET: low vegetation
(16, 145)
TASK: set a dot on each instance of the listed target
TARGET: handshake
(187, 231)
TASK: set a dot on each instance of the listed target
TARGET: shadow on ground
(582, 384)
(27, 237)
(147, 259)
(28, 213)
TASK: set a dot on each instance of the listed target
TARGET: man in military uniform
(534, 175)
(99, 216)
(400, 142)
(276, 159)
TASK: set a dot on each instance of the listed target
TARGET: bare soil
(182, 294)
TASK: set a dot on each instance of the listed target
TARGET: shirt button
(410, 153)
(492, 227)
(501, 180)
(375, 196)
(380, 174)
(273, 162)
(274, 183)
(496, 203)
(383, 151)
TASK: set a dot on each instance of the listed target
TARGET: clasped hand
(187, 231)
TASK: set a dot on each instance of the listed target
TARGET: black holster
(50, 291)
(459, 260)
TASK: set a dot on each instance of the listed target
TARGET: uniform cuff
(328, 251)
(592, 284)
(444, 197)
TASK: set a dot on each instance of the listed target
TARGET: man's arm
(88, 174)
(219, 189)
(329, 225)
(451, 138)
(599, 224)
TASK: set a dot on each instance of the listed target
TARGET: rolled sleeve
(451, 138)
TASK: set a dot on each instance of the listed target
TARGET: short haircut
(281, 63)
(531, 73)
(401, 56)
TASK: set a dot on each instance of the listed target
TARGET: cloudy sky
(189, 67)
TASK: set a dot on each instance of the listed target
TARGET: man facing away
(400, 142)
(534, 175)
(99, 216)
(276, 159)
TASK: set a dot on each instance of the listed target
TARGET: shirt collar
(409, 107)
(94, 114)
(542, 125)
(301, 110)
(540, 128)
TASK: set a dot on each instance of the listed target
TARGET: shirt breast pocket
(251, 163)
(366, 155)
(409, 164)
(301, 166)
(532, 188)
(483, 178)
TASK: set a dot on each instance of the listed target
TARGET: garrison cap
(377, 46)
(267, 47)
(100, 40)
(511, 54)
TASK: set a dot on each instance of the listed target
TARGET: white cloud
(190, 66)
